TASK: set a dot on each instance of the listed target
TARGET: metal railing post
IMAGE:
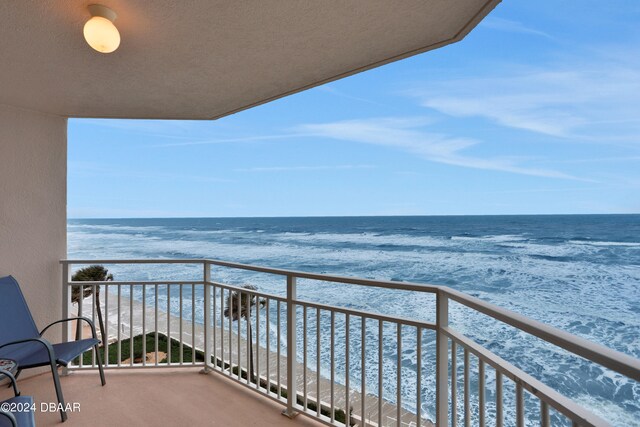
(65, 301)
(291, 348)
(442, 360)
(207, 317)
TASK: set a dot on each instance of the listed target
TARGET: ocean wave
(589, 287)
(598, 243)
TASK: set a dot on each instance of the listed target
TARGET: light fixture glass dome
(100, 32)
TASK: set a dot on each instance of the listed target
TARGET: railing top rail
(133, 261)
(614, 360)
(137, 283)
(388, 284)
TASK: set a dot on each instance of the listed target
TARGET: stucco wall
(33, 204)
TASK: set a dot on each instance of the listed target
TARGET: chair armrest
(86, 319)
(10, 416)
(47, 345)
(12, 379)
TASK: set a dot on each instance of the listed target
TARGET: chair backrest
(16, 322)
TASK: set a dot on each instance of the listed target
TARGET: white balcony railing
(286, 343)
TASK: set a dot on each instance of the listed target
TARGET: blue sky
(536, 111)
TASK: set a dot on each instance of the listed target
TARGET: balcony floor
(158, 397)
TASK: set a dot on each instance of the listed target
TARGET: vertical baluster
(106, 326)
(419, 377)
(144, 325)
(181, 320)
(222, 337)
(193, 323)
(454, 384)
(80, 311)
(230, 300)
(268, 331)
(79, 325)
(346, 368)
(467, 403)
(278, 351)
(363, 388)
(257, 342)
(131, 347)
(239, 315)
(304, 356)
(481, 392)
(66, 300)
(318, 354)
(499, 410)
(399, 378)
(544, 414)
(168, 324)
(380, 370)
(207, 312)
(250, 359)
(214, 292)
(332, 346)
(155, 323)
(119, 325)
(519, 405)
(94, 305)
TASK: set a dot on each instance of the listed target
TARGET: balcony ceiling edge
(211, 59)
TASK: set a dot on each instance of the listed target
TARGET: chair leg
(56, 383)
(9, 384)
(100, 368)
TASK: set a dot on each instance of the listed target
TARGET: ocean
(580, 273)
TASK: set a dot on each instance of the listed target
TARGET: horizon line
(359, 216)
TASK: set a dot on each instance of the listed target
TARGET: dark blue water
(580, 273)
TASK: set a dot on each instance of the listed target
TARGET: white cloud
(510, 26)
(619, 159)
(594, 99)
(397, 132)
(336, 92)
(407, 134)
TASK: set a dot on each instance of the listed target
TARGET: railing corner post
(207, 315)
(291, 348)
(442, 360)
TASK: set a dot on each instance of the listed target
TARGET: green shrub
(126, 351)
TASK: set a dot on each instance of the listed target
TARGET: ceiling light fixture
(99, 31)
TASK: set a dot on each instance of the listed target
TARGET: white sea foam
(597, 243)
(491, 238)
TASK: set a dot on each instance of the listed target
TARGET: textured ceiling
(203, 59)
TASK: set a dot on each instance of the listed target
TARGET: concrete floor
(155, 397)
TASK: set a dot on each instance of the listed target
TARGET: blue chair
(23, 416)
(21, 341)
